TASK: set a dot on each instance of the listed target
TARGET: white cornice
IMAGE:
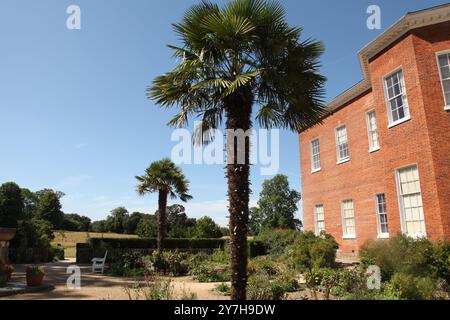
(407, 23)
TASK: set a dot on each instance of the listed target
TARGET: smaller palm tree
(167, 179)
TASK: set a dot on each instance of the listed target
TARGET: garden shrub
(256, 248)
(221, 256)
(260, 287)
(210, 272)
(402, 254)
(309, 251)
(440, 266)
(56, 253)
(176, 262)
(410, 287)
(322, 280)
(288, 281)
(264, 264)
(275, 241)
(169, 243)
(223, 288)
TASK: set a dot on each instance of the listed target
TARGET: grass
(69, 239)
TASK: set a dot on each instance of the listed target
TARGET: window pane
(446, 84)
(411, 201)
(382, 215)
(396, 96)
(443, 60)
(320, 218)
(348, 218)
(315, 154)
(342, 144)
(445, 72)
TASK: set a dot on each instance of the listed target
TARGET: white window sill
(447, 108)
(316, 170)
(374, 150)
(396, 123)
(383, 236)
(417, 235)
(343, 161)
(349, 238)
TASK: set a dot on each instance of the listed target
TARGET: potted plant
(35, 276)
(6, 271)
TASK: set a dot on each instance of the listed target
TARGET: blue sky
(73, 111)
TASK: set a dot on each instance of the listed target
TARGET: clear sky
(73, 111)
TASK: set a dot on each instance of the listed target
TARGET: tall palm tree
(234, 58)
(167, 179)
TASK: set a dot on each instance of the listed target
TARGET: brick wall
(417, 141)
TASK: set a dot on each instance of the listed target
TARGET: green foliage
(276, 241)
(210, 272)
(173, 262)
(224, 289)
(409, 287)
(49, 208)
(207, 228)
(11, 205)
(117, 221)
(56, 253)
(263, 264)
(151, 243)
(309, 251)
(35, 270)
(75, 222)
(33, 233)
(256, 248)
(406, 255)
(260, 287)
(440, 266)
(277, 206)
(323, 279)
(300, 250)
(288, 280)
(147, 228)
(159, 289)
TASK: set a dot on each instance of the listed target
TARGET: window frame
(344, 226)
(313, 169)
(441, 80)
(368, 124)
(401, 203)
(346, 159)
(393, 123)
(381, 235)
(316, 221)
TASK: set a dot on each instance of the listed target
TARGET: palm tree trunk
(238, 173)
(161, 219)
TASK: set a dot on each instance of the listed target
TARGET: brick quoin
(424, 140)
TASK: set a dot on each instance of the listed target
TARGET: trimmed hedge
(97, 246)
(116, 247)
(151, 243)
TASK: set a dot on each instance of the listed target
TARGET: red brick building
(380, 164)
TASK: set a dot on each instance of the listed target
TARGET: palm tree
(232, 59)
(167, 179)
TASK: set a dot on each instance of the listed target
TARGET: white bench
(98, 264)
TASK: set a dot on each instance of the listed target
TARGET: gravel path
(101, 287)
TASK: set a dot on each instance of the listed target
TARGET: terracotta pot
(34, 280)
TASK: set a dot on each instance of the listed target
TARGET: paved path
(99, 287)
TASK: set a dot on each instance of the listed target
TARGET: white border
(392, 123)
(446, 103)
(372, 149)
(400, 202)
(340, 161)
